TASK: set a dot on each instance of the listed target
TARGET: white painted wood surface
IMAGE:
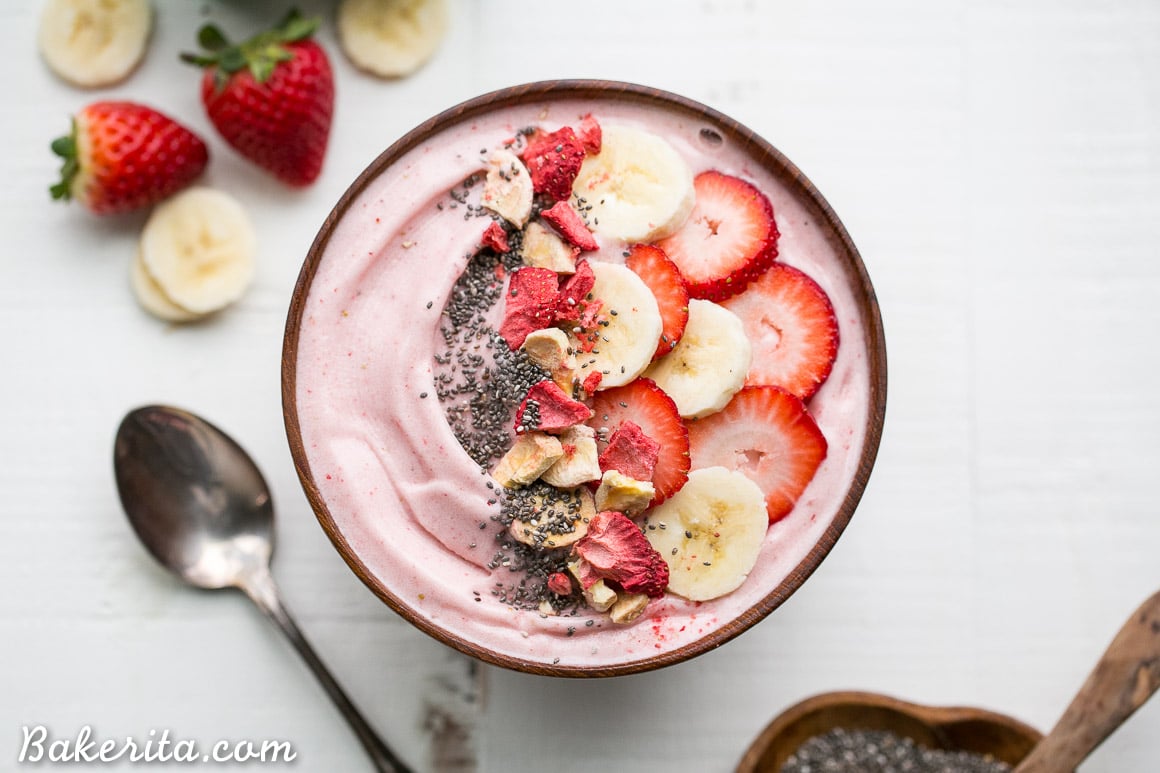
(998, 164)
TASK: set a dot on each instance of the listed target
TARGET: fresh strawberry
(791, 325)
(530, 303)
(567, 222)
(767, 434)
(123, 156)
(553, 161)
(664, 279)
(729, 239)
(643, 402)
(496, 238)
(548, 409)
(630, 452)
(271, 97)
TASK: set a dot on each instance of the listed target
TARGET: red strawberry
(530, 303)
(548, 409)
(271, 97)
(791, 325)
(496, 238)
(664, 279)
(569, 225)
(630, 452)
(615, 548)
(729, 239)
(767, 434)
(643, 402)
(553, 161)
(590, 134)
(123, 156)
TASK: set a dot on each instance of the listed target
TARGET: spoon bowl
(203, 510)
(951, 728)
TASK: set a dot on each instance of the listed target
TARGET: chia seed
(873, 751)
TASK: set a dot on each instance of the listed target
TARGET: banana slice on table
(152, 298)
(391, 38)
(625, 345)
(708, 365)
(199, 248)
(94, 43)
(638, 186)
(709, 533)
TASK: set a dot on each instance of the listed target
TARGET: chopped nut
(619, 492)
(628, 608)
(600, 597)
(544, 249)
(579, 463)
(550, 349)
(527, 459)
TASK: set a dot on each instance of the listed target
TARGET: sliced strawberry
(643, 402)
(729, 239)
(568, 224)
(529, 304)
(664, 279)
(554, 160)
(767, 434)
(791, 325)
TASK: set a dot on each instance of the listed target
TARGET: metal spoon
(202, 508)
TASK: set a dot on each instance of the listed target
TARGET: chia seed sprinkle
(874, 751)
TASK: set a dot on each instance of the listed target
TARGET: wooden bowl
(953, 729)
(817, 214)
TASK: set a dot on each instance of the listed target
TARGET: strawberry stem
(66, 148)
(260, 54)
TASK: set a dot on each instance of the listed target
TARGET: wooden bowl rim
(764, 154)
(933, 716)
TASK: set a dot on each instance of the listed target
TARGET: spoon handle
(1123, 679)
(261, 589)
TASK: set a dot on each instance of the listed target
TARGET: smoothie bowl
(582, 378)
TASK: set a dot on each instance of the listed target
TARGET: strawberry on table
(729, 239)
(123, 156)
(644, 403)
(791, 324)
(271, 97)
(767, 434)
(664, 279)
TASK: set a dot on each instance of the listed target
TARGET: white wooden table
(998, 164)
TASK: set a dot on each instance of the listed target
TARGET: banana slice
(638, 186)
(626, 344)
(199, 247)
(152, 298)
(391, 38)
(709, 533)
(92, 43)
(708, 365)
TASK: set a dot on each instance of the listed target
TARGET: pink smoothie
(402, 491)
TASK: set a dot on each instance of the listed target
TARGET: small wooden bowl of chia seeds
(867, 732)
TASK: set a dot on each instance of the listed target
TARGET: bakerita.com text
(39, 745)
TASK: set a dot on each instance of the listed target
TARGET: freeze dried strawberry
(589, 134)
(530, 304)
(496, 238)
(641, 401)
(663, 277)
(559, 583)
(592, 382)
(617, 550)
(574, 291)
(548, 409)
(729, 239)
(630, 452)
(569, 225)
(767, 434)
(790, 322)
(553, 161)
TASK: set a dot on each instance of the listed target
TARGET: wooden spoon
(1125, 677)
